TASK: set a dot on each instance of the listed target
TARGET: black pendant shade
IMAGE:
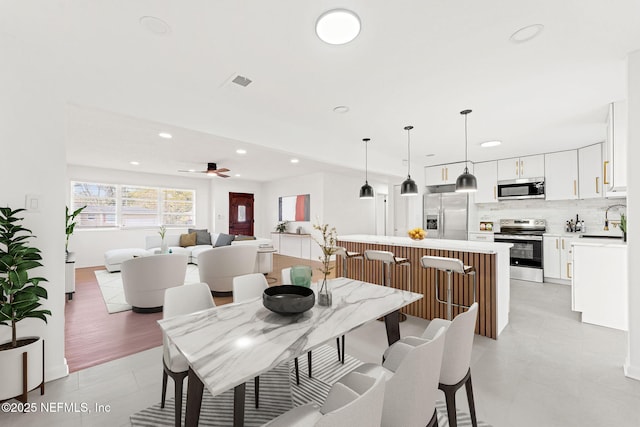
(366, 191)
(466, 183)
(408, 187)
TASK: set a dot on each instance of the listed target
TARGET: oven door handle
(498, 237)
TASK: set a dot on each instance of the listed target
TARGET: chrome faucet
(606, 215)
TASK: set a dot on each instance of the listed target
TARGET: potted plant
(70, 224)
(164, 247)
(282, 226)
(623, 226)
(21, 359)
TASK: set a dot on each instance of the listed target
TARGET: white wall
(32, 132)
(343, 207)
(90, 245)
(632, 364)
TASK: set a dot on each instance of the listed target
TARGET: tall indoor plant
(70, 224)
(20, 297)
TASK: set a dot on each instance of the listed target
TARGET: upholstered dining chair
(411, 373)
(180, 300)
(355, 400)
(145, 279)
(218, 266)
(455, 371)
(248, 287)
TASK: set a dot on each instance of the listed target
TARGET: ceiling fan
(212, 169)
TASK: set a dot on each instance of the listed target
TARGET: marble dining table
(231, 344)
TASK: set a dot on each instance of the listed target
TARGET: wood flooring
(93, 336)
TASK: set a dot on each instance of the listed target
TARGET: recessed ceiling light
(237, 174)
(155, 25)
(527, 33)
(341, 109)
(192, 170)
(295, 160)
(487, 144)
(165, 135)
(241, 151)
(134, 163)
(338, 26)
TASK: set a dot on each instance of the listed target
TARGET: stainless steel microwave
(523, 188)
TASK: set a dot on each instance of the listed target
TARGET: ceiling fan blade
(222, 170)
(221, 175)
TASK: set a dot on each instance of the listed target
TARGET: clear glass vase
(164, 247)
(324, 294)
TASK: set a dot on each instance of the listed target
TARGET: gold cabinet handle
(442, 173)
(446, 174)
(606, 163)
(557, 243)
(575, 187)
(597, 185)
(569, 270)
(562, 243)
(517, 168)
(494, 192)
(521, 168)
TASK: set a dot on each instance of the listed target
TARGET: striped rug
(278, 393)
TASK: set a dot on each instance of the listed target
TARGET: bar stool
(345, 255)
(450, 265)
(388, 259)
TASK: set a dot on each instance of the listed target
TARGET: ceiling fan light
(408, 187)
(366, 191)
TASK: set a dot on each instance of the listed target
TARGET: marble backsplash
(556, 213)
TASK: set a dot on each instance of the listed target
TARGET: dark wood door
(241, 214)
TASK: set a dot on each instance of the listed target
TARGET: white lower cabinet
(600, 284)
(557, 256)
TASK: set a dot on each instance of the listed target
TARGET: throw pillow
(202, 236)
(224, 239)
(188, 240)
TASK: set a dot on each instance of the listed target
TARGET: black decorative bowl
(288, 299)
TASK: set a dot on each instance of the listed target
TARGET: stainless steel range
(526, 252)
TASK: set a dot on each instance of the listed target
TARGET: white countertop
(451, 245)
(607, 243)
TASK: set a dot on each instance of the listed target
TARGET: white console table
(295, 245)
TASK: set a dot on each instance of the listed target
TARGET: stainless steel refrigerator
(445, 214)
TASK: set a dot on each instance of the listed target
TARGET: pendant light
(409, 187)
(366, 191)
(466, 183)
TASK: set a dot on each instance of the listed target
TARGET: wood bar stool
(449, 265)
(345, 255)
(388, 260)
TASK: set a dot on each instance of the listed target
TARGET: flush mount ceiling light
(527, 33)
(338, 26)
(165, 135)
(466, 183)
(295, 161)
(241, 151)
(155, 25)
(408, 187)
(488, 144)
(341, 109)
(366, 191)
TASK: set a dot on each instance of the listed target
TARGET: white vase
(164, 247)
(11, 368)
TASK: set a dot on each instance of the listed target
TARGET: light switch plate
(32, 202)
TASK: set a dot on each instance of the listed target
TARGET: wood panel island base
(490, 259)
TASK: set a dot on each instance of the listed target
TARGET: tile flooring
(546, 369)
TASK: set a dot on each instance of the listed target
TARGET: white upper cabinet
(561, 178)
(615, 167)
(487, 175)
(590, 172)
(521, 167)
(445, 174)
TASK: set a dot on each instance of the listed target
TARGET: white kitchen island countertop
(451, 245)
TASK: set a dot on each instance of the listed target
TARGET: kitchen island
(490, 259)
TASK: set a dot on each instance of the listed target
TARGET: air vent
(241, 80)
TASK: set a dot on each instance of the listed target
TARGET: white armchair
(218, 266)
(355, 400)
(145, 279)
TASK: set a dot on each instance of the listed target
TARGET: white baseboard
(56, 372)
(631, 371)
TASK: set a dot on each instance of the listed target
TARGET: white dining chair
(246, 287)
(411, 372)
(355, 400)
(180, 300)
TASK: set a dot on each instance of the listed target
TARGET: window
(110, 205)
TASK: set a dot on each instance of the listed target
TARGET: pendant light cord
(408, 129)
(465, 113)
(366, 161)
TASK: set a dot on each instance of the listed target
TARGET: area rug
(278, 393)
(113, 294)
